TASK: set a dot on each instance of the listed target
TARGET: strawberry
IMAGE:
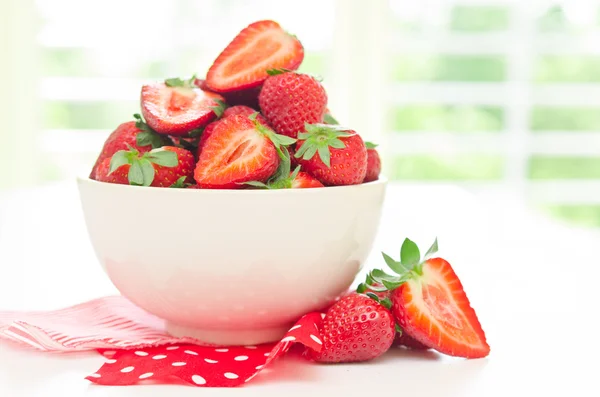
(289, 100)
(238, 150)
(403, 339)
(355, 328)
(244, 111)
(304, 181)
(373, 163)
(164, 167)
(429, 303)
(247, 97)
(134, 134)
(342, 155)
(208, 130)
(176, 107)
(243, 64)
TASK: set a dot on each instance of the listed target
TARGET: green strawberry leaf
(147, 136)
(180, 183)
(372, 296)
(362, 287)
(162, 157)
(256, 184)
(409, 253)
(386, 302)
(390, 286)
(295, 173)
(379, 275)
(147, 171)
(175, 82)
(275, 72)
(195, 133)
(325, 155)
(219, 108)
(432, 250)
(118, 159)
(397, 267)
(370, 145)
(179, 82)
(376, 288)
(398, 329)
(329, 119)
(320, 138)
(136, 175)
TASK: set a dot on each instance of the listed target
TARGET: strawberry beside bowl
(231, 267)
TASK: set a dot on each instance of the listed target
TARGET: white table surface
(533, 282)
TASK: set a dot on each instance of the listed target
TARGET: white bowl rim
(381, 181)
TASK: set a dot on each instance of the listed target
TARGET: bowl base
(228, 337)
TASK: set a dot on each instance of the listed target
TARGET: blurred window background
(487, 94)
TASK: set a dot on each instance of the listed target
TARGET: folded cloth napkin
(138, 349)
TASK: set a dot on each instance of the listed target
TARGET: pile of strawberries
(252, 123)
(421, 306)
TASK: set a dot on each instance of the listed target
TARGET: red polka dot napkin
(138, 350)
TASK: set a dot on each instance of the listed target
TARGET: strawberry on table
(333, 154)
(429, 303)
(164, 167)
(176, 107)
(239, 150)
(355, 328)
(373, 163)
(243, 64)
(289, 100)
(404, 339)
(134, 134)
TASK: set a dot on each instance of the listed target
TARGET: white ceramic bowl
(231, 267)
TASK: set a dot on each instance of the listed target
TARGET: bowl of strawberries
(234, 204)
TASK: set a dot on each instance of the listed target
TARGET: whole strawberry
(373, 163)
(355, 328)
(165, 167)
(334, 155)
(289, 100)
(135, 134)
(244, 111)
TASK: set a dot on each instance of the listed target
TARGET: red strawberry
(304, 180)
(247, 97)
(403, 339)
(243, 64)
(355, 328)
(177, 107)
(244, 111)
(164, 167)
(342, 155)
(238, 150)
(208, 130)
(373, 163)
(135, 134)
(430, 305)
(290, 100)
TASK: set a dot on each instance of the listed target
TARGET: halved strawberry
(238, 150)
(176, 107)
(429, 303)
(165, 167)
(247, 97)
(243, 64)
